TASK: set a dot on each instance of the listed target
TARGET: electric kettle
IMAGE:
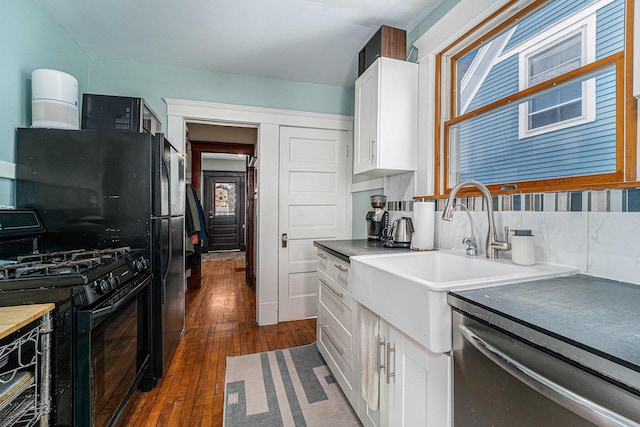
(400, 234)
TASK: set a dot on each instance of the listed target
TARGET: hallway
(220, 322)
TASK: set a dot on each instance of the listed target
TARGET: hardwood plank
(220, 322)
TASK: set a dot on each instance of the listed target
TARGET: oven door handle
(105, 311)
(575, 403)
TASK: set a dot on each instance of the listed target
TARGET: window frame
(445, 106)
(547, 39)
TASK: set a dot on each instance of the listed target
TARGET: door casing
(268, 122)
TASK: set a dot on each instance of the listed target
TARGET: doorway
(224, 142)
(268, 121)
(224, 200)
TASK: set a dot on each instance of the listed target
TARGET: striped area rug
(291, 387)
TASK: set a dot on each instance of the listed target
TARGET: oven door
(112, 353)
(500, 380)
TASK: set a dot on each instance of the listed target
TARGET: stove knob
(103, 287)
(96, 288)
(114, 282)
(142, 264)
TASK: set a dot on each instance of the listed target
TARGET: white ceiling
(315, 41)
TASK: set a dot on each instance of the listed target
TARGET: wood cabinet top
(15, 317)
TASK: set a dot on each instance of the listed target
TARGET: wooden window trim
(626, 116)
(631, 103)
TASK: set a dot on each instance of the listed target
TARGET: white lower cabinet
(413, 383)
(336, 323)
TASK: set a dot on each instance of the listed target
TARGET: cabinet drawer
(335, 334)
(336, 299)
(335, 268)
(329, 348)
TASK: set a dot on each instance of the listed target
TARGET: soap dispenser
(523, 248)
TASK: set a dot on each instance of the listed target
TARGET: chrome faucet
(493, 244)
(470, 241)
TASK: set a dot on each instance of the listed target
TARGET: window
(539, 101)
(561, 49)
(225, 198)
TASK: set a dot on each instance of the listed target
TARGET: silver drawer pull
(341, 268)
(389, 373)
(321, 255)
(381, 344)
(339, 349)
(333, 291)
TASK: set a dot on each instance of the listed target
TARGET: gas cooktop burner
(61, 263)
(87, 276)
(64, 256)
(46, 268)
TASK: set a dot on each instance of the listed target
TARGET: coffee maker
(378, 218)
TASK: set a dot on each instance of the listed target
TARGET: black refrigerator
(104, 189)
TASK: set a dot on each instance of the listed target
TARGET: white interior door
(312, 206)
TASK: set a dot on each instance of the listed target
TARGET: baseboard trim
(267, 313)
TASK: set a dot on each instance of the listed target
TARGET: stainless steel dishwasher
(501, 379)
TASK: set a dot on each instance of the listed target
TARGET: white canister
(423, 218)
(523, 248)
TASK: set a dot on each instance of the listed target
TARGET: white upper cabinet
(386, 117)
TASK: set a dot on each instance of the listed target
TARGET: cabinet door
(366, 121)
(413, 385)
(370, 417)
(408, 381)
(418, 383)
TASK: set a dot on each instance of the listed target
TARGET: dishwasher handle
(575, 403)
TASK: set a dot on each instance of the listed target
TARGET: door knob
(285, 238)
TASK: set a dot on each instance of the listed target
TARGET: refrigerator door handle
(166, 173)
(166, 268)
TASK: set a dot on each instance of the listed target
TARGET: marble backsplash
(595, 231)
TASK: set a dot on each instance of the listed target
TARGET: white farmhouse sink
(409, 290)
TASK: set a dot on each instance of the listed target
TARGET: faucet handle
(472, 245)
(502, 245)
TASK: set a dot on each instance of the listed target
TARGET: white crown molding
(201, 110)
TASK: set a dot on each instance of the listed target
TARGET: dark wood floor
(220, 322)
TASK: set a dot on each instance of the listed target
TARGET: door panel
(174, 304)
(312, 206)
(224, 198)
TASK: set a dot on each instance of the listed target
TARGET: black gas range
(89, 275)
(101, 325)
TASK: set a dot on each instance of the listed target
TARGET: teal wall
(361, 205)
(415, 33)
(154, 83)
(29, 39)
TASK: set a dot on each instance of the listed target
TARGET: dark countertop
(344, 249)
(590, 320)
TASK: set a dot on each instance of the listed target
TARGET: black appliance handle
(166, 269)
(105, 311)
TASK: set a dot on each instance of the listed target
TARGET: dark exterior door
(224, 198)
